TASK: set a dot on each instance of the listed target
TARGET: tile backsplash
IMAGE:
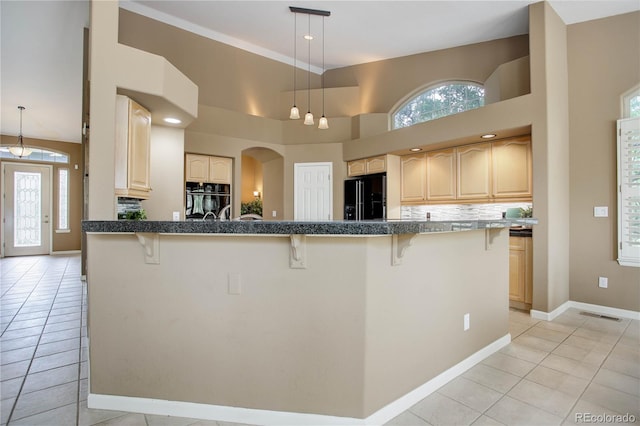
(459, 211)
(124, 205)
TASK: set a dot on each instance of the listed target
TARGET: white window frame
(63, 214)
(625, 101)
(628, 149)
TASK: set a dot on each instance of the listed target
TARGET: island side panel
(293, 340)
(415, 310)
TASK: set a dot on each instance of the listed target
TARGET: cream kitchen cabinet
(132, 149)
(473, 163)
(367, 166)
(413, 178)
(512, 168)
(520, 272)
(208, 169)
(441, 175)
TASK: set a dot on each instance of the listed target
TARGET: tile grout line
(82, 324)
(599, 367)
(26, 374)
(25, 299)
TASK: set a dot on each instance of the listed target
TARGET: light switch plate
(601, 211)
(466, 322)
(603, 282)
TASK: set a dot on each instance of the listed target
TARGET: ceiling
(41, 41)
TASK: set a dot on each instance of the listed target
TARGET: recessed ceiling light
(415, 149)
(172, 120)
(488, 136)
(308, 37)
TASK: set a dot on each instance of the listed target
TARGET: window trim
(419, 91)
(625, 101)
(60, 229)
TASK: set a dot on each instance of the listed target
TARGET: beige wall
(71, 240)
(603, 64)
(550, 146)
(345, 336)
(167, 174)
(251, 178)
(385, 84)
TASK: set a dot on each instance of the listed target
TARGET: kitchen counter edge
(389, 227)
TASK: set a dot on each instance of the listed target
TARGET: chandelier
(19, 150)
(295, 112)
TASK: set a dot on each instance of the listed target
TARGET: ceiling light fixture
(308, 117)
(19, 150)
(488, 136)
(323, 124)
(295, 113)
(172, 120)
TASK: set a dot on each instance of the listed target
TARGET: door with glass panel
(27, 209)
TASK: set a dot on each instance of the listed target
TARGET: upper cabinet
(474, 171)
(367, 166)
(208, 169)
(441, 175)
(133, 147)
(412, 178)
(512, 168)
(477, 173)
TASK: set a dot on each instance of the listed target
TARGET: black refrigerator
(365, 197)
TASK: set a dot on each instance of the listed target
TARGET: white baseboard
(596, 309)
(65, 252)
(267, 417)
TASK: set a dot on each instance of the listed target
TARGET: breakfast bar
(290, 322)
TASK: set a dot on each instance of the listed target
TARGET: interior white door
(27, 209)
(313, 192)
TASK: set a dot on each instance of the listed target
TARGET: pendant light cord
(323, 66)
(295, 35)
(309, 69)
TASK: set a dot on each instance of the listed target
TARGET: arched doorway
(263, 174)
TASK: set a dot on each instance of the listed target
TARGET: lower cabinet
(520, 272)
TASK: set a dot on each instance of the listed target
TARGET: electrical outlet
(274, 213)
(176, 216)
(603, 282)
(466, 322)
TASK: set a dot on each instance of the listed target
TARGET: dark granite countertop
(388, 227)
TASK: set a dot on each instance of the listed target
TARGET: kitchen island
(290, 322)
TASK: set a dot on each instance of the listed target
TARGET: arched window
(439, 101)
(631, 103)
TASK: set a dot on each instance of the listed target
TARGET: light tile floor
(549, 374)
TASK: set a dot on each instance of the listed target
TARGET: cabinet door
(511, 164)
(474, 172)
(376, 165)
(197, 168)
(413, 178)
(139, 147)
(220, 170)
(528, 271)
(441, 175)
(356, 168)
(517, 267)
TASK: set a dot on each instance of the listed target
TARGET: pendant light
(19, 150)
(323, 124)
(308, 117)
(295, 112)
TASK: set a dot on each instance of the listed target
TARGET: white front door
(313, 192)
(27, 209)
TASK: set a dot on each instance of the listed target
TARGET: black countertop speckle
(388, 227)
